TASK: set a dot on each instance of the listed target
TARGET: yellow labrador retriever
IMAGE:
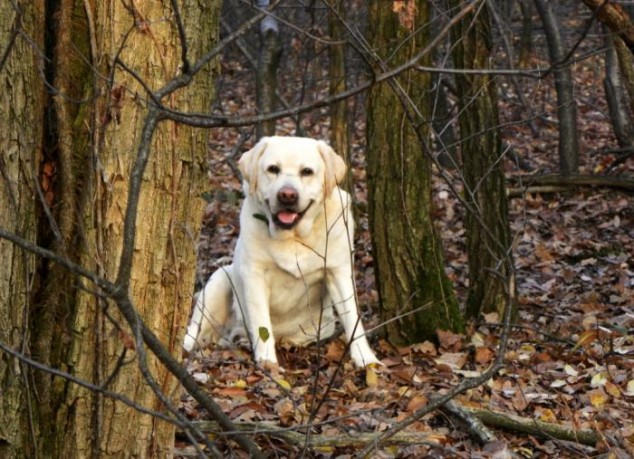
(293, 259)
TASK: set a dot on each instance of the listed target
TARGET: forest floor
(570, 359)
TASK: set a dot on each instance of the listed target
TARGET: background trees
(101, 167)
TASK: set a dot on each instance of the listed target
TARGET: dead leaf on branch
(406, 11)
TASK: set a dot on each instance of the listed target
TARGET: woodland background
(108, 107)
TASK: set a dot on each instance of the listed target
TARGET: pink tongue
(287, 217)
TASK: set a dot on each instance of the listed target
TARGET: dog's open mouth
(288, 218)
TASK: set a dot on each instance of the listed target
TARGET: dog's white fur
(288, 271)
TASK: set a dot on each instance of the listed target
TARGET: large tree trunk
(21, 114)
(488, 233)
(93, 130)
(413, 288)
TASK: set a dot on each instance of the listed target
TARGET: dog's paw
(362, 355)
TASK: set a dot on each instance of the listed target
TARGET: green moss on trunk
(488, 233)
(411, 280)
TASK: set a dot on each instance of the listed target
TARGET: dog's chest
(301, 262)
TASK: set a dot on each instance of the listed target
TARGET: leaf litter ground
(571, 354)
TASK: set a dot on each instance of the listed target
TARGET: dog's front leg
(340, 286)
(211, 311)
(253, 301)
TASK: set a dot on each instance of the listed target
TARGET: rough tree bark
(21, 127)
(416, 296)
(92, 131)
(616, 17)
(567, 108)
(488, 233)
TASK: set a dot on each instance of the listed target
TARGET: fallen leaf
(477, 339)
(231, 392)
(454, 360)
(599, 379)
(612, 389)
(491, 318)
(449, 340)
(426, 347)
(598, 398)
(586, 337)
(416, 402)
(264, 334)
(286, 411)
(483, 355)
(202, 378)
(543, 253)
(372, 375)
(283, 383)
(547, 415)
(335, 351)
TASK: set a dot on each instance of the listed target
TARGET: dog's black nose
(287, 196)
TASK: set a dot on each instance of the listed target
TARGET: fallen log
(535, 427)
(559, 183)
(297, 436)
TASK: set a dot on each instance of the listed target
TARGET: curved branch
(615, 17)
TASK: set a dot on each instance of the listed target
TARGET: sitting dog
(293, 259)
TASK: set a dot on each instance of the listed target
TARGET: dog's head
(290, 177)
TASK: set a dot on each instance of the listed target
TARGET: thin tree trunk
(339, 128)
(21, 125)
(567, 112)
(268, 63)
(416, 296)
(488, 233)
(616, 94)
(626, 65)
(526, 37)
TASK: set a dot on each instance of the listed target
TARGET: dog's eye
(306, 172)
(273, 169)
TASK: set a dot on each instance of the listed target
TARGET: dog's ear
(335, 171)
(248, 164)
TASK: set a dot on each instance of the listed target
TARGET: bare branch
(183, 37)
